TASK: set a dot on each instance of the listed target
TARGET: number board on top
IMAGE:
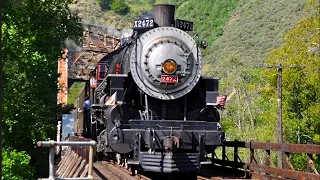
(143, 23)
(184, 25)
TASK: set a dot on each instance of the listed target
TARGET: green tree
(105, 4)
(300, 86)
(16, 165)
(33, 36)
(120, 7)
(254, 107)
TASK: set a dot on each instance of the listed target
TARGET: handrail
(52, 144)
(267, 170)
(294, 148)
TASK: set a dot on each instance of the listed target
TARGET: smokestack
(164, 14)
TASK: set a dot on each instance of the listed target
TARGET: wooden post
(279, 124)
(223, 155)
(235, 155)
(279, 101)
(288, 162)
(268, 158)
(251, 154)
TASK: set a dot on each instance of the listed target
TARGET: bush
(120, 7)
(16, 165)
(105, 4)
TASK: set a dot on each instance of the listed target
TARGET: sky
(67, 125)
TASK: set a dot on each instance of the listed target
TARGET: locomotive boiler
(164, 117)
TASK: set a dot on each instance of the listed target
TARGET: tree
(301, 98)
(105, 4)
(256, 94)
(16, 165)
(120, 7)
(33, 36)
(300, 86)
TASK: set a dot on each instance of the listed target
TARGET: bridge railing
(81, 151)
(258, 171)
(53, 144)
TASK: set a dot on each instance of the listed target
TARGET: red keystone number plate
(169, 78)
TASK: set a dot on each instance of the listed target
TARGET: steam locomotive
(164, 117)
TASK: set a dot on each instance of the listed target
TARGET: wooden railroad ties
(111, 170)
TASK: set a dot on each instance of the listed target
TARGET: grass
(74, 91)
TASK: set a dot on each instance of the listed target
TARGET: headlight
(169, 66)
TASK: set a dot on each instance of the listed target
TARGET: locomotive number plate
(169, 78)
(184, 25)
(144, 23)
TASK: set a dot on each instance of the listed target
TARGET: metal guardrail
(53, 144)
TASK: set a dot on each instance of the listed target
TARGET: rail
(258, 171)
(53, 144)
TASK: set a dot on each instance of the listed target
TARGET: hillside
(208, 16)
(241, 29)
(254, 28)
(240, 34)
(95, 12)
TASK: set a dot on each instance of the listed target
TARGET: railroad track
(110, 171)
(104, 170)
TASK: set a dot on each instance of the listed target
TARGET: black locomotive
(164, 117)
